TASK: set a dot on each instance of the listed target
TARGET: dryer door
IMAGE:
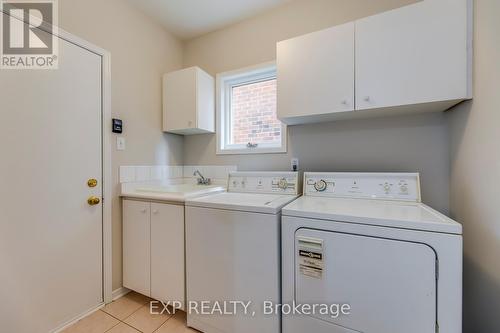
(390, 285)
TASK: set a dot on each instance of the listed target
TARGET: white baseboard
(117, 293)
(77, 318)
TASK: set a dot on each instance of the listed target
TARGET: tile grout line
(122, 321)
(109, 314)
(170, 317)
(129, 325)
(118, 323)
(138, 330)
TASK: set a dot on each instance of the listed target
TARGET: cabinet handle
(143, 210)
(155, 211)
(367, 98)
(344, 102)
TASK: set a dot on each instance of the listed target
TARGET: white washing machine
(366, 240)
(233, 251)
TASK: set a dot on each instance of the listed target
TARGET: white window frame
(224, 84)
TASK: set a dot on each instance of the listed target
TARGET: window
(246, 112)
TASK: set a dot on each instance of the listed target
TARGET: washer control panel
(264, 182)
(392, 186)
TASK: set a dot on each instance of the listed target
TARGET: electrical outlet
(295, 164)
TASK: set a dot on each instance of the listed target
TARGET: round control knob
(283, 184)
(320, 185)
(387, 188)
(403, 189)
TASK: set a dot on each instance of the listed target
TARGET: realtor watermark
(29, 34)
(245, 308)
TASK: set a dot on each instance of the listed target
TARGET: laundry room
(277, 166)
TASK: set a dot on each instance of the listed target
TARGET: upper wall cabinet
(413, 55)
(188, 102)
(416, 58)
(316, 75)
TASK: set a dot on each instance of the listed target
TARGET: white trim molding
(120, 292)
(70, 322)
(224, 83)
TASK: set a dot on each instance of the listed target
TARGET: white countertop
(172, 191)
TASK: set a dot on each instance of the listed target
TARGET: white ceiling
(190, 18)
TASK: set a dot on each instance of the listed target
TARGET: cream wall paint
(475, 175)
(141, 51)
(413, 143)
(254, 40)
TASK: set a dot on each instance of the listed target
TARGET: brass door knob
(92, 201)
(92, 182)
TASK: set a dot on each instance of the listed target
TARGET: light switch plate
(120, 143)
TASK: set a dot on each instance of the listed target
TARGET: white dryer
(366, 240)
(233, 252)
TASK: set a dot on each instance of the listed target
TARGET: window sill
(250, 151)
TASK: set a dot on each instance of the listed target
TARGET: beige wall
(254, 40)
(475, 176)
(141, 51)
(413, 143)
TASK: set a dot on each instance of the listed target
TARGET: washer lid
(395, 214)
(247, 202)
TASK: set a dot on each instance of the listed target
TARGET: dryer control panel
(387, 186)
(265, 182)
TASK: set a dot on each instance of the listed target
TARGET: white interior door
(390, 285)
(50, 237)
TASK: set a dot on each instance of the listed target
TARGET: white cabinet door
(167, 252)
(188, 102)
(416, 54)
(136, 246)
(179, 100)
(316, 75)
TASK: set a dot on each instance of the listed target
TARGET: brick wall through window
(253, 113)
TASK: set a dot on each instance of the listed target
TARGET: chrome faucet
(202, 180)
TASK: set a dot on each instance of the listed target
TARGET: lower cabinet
(167, 252)
(136, 246)
(153, 249)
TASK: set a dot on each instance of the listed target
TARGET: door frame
(106, 149)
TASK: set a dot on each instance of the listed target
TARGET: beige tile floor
(130, 314)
